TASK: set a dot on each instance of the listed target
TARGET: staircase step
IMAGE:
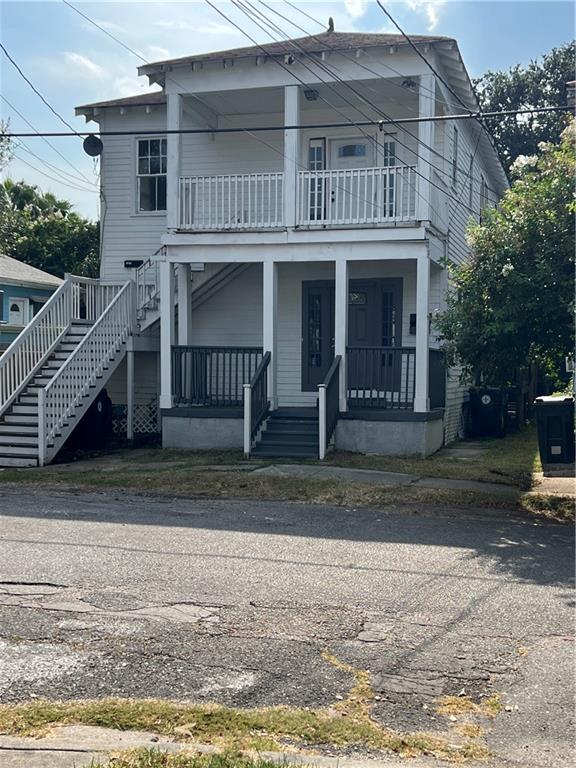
(18, 428)
(21, 418)
(292, 429)
(288, 440)
(29, 410)
(279, 452)
(19, 450)
(17, 440)
(18, 461)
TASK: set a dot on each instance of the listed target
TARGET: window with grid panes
(151, 174)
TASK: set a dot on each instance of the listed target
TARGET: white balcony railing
(357, 196)
(247, 201)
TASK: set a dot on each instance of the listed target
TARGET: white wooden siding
(145, 380)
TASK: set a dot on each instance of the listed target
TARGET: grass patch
(155, 758)
(510, 461)
(266, 729)
(463, 705)
(560, 508)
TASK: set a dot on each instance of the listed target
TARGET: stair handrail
(146, 291)
(37, 340)
(66, 389)
(328, 406)
(256, 402)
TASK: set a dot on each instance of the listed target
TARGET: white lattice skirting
(145, 419)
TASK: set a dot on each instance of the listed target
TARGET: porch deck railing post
(322, 421)
(421, 391)
(166, 332)
(247, 419)
(291, 145)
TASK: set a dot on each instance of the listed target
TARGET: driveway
(110, 594)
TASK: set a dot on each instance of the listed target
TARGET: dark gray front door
(375, 320)
(317, 332)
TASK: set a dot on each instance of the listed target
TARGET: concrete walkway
(376, 477)
(78, 746)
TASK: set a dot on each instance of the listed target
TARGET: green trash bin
(555, 420)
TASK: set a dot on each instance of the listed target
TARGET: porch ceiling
(397, 99)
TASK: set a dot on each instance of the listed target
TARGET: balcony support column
(270, 326)
(426, 108)
(183, 275)
(174, 143)
(421, 393)
(291, 153)
(166, 332)
(341, 326)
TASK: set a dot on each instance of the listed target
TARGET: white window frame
(137, 176)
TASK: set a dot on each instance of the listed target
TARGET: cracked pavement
(111, 594)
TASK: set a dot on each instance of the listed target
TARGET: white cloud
(431, 9)
(128, 85)
(85, 65)
(356, 8)
(157, 53)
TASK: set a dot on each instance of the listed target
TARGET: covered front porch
(343, 339)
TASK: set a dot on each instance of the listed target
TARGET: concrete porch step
(285, 452)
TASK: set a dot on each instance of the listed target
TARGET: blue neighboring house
(23, 291)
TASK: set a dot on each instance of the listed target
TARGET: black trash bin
(555, 420)
(487, 411)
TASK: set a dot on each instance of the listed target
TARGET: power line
(66, 177)
(274, 128)
(106, 32)
(355, 124)
(55, 149)
(421, 55)
(53, 178)
(36, 91)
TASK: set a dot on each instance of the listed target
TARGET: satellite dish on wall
(93, 146)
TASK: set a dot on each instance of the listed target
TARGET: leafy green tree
(513, 303)
(44, 231)
(5, 145)
(541, 84)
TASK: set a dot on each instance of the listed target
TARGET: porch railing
(381, 377)
(239, 201)
(357, 196)
(78, 298)
(212, 376)
(147, 285)
(328, 406)
(256, 402)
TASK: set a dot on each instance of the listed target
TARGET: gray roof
(325, 41)
(16, 272)
(141, 100)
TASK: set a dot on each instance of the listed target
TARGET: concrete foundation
(201, 434)
(389, 438)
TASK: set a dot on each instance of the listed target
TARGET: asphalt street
(111, 594)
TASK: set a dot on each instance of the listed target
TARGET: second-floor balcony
(325, 198)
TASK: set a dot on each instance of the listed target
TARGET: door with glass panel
(317, 332)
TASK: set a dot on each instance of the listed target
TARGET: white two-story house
(283, 216)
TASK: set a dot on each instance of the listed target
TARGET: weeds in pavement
(156, 758)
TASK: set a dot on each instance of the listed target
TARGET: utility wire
(237, 3)
(53, 178)
(275, 128)
(106, 32)
(66, 177)
(421, 55)
(55, 149)
(36, 91)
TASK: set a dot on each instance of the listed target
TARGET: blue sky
(73, 63)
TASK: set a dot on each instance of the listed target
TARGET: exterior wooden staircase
(57, 366)
(289, 433)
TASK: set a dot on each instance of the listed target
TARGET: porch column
(130, 394)
(426, 108)
(341, 324)
(421, 398)
(291, 153)
(166, 332)
(184, 305)
(173, 123)
(270, 326)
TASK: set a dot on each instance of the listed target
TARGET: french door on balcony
(347, 188)
(374, 323)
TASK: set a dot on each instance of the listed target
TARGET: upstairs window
(454, 155)
(151, 174)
